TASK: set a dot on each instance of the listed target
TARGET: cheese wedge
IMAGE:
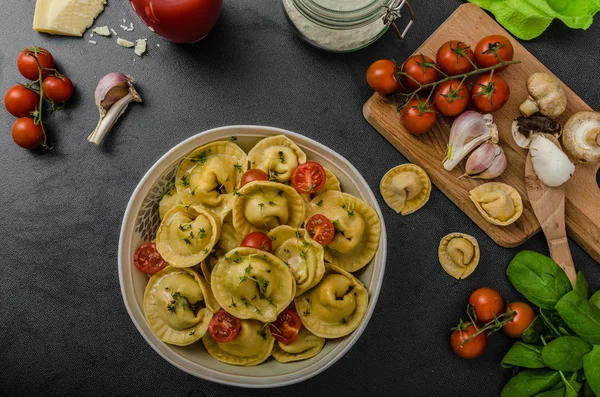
(66, 17)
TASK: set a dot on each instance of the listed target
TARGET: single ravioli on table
(405, 188)
(459, 254)
(499, 203)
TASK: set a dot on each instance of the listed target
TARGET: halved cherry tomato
(521, 321)
(309, 177)
(451, 98)
(380, 77)
(420, 68)
(27, 65)
(418, 116)
(453, 58)
(258, 240)
(27, 134)
(223, 327)
(487, 303)
(147, 259)
(285, 329)
(320, 229)
(491, 49)
(472, 348)
(57, 89)
(20, 101)
(490, 93)
(254, 174)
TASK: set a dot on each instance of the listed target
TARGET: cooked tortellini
(209, 175)
(331, 183)
(301, 254)
(305, 346)
(178, 305)
(405, 188)
(334, 307)
(168, 201)
(278, 156)
(252, 284)
(357, 229)
(498, 202)
(459, 254)
(229, 240)
(252, 345)
(262, 206)
(187, 235)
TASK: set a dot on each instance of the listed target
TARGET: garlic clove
(468, 131)
(550, 163)
(488, 161)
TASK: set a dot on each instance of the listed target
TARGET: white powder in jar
(337, 40)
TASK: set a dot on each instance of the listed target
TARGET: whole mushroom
(581, 137)
(546, 96)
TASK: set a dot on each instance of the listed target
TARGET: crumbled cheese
(158, 45)
(131, 27)
(124, 43)
(113, 31)
(124, 21)
(91, 42)
(124, 27)
(102, 31)
(91, 35)
(140, 47)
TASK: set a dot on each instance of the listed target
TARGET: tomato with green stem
(21, 101)
(419, 70)
(28, 65)
(418, 116)
(491, 50)
(521, 321)
(28, 134)
(381, 77)
(490, 93)
(287, 326)
(258, 240)
(224, 327)
(455, 57)
(465, 347)
(488, 304)
(451, 97)
(57, 88)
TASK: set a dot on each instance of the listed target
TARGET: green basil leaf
(595, 299)
(581, 316)
(552, 393)
(582, 286)
(530, 382)
(538, 278)
(591, 369)
(555, 323)
(535, 329)
(565, 353)
(523, 355)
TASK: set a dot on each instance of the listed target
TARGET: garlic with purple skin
(488, 161)
(468, 131)
(114, 92)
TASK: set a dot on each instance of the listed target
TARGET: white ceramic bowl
(141, 222)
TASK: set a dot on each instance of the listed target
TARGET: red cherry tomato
(309, 177)
(380, 77)
(490, 94)
(521, 321)
(223, 327)
(285, 329)
(418, 116)
(491, 49)
(20, 101)
(320, 229)
(419, 68)
(147, 259)
(487, 303)
(472, 348)
(254, 174)
(27, 65)
(451, 98)
(258, 240)
(453, 58)
(27, 134)
(57, 89)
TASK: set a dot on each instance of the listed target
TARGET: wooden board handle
(561, 254)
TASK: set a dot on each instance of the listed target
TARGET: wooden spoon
(549, 208)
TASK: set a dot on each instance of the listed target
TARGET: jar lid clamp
(393, 13)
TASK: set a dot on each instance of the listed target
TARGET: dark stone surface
(64, 329)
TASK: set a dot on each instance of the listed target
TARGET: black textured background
(63, 327)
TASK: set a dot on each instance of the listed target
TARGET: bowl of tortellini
(251, 256)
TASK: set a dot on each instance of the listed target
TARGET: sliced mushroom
(546, 96)
(523, 129)
(581, 137)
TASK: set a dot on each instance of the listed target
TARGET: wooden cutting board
(469, 24)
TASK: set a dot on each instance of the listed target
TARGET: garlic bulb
(550, 163)
(488, 161)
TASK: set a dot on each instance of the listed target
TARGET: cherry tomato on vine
(223, 327)
(147, 259)
(490, 93)
(487, 303)
(20, 101)
(258, 240)
(380, 77)
(320, 229)
(491, 49)
(453, 58)
(27, 134)
(451, 98)
(27, 65)
(418, 116)
(253, 174)
(309, 177)
(420, 68)
(470, 349)
(285, 329)
(521, 321)
(57, 89)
